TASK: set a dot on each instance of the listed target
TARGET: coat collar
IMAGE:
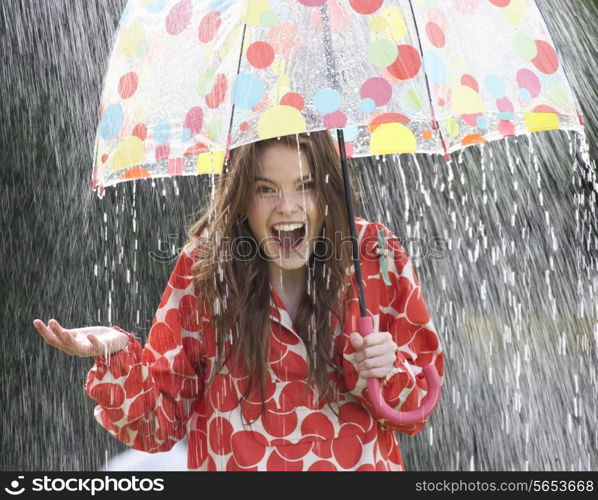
(278, 311)
(280, 315)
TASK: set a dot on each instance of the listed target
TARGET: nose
(290, 200)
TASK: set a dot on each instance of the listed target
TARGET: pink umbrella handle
(430, 401)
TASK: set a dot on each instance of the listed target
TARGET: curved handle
(429, 403)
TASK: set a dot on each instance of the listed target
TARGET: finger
(375, 351)
(60, 332)
(377, 362)
(376, 338)
(56, 327)
(69, 344)
(357, 341)
(51, 338)
(46, 333)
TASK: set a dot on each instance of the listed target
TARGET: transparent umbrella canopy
(189, 80)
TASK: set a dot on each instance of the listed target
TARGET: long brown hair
(237, 290)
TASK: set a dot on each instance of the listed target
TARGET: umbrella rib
(565, 70)
(435, 124)
(232, 112)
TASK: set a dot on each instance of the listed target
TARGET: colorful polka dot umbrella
(188, 80)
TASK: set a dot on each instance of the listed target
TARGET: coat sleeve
(145, 395)
(404, 314)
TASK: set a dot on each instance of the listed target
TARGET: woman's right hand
(85, 342)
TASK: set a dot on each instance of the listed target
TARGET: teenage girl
(254, 352)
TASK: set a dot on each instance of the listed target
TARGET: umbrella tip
(447, 158)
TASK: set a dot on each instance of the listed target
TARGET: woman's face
(282, 210)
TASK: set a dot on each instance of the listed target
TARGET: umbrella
(189, 80)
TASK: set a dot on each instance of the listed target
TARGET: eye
(264, 189)
(308, 185)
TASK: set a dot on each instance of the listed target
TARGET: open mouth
(289, 236)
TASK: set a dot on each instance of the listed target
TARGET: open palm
(85, 342)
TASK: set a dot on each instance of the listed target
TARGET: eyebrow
(300, 179)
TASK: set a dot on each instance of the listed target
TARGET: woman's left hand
(375, 354)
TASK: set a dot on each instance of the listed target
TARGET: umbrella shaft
(350, 214)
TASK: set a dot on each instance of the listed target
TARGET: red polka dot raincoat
(150, 397)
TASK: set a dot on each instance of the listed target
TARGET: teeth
(287, 227)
